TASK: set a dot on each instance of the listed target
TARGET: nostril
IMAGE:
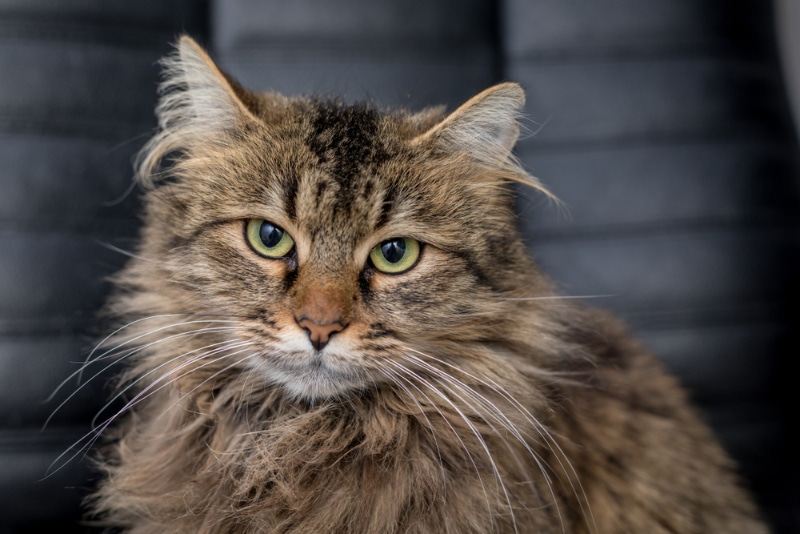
(319, 334)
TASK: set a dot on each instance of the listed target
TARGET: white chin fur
(308, 375)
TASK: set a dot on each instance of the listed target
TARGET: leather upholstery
(661, 124)
(77, 90)
(664, 128)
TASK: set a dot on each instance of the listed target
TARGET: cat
(331, 324)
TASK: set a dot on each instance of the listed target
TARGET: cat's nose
(320, 334)
(322, 306)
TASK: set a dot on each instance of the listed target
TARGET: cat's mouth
(311, 374)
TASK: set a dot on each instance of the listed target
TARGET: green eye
(267, 239)
(396, 255)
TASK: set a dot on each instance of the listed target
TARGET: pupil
(394, 250)
(270, 234)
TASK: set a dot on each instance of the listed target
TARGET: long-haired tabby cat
(331, 324)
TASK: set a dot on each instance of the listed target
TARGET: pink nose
(320, 334)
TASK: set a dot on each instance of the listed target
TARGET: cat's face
(336, 238)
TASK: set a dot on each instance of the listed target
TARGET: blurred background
(665, 126)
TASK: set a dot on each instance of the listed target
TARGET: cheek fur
(243, 282)
(439, 294)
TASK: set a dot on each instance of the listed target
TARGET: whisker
(404, 370)
(146, 392)
(119, 359)
(460, 389)
(101, 343)
(93, 435)
(556, 297)
(538, 426)
(90, 358)
(157, 330)
(164, 364)
(216, 374)
(498, 477)
(250, 373)
(124, 252)
(394, 379)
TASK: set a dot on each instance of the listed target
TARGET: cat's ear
(199, 104)
(196, 93)
(485, 127)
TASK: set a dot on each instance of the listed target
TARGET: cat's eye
(268, 239)
(396, 255)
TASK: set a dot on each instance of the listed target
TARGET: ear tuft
(486, 126)
(196, 91)
(198, 105)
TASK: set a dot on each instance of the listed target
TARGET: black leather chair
(77, 90)
(661, 124)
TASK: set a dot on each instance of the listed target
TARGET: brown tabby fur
(461, 396)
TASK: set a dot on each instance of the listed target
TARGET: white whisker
(393, 377)
(217, 373)
(460, 390)
(226, 345)
(538, 426)
(498, 477)
(93, 435)
(100, 344)
(555, 297)
(124, 252)
(124, 356)
(146, 393)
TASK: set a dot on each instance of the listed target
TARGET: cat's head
(332, 244)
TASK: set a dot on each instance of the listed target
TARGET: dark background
(663, 125)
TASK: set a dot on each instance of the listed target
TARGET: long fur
(461, 396)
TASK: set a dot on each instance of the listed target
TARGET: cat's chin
(314, 384)
(311, 376)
